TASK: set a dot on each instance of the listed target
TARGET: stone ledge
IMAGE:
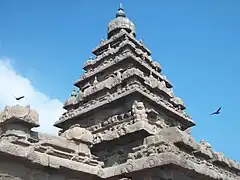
(45, 159)
(161, 160)
(154, 160)
(186, 143)
(127, 128)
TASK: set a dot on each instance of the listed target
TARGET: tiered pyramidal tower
(122, 97)
(123, 123)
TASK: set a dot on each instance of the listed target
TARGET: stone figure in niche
(79, 97)
(95, 82)
(119, 76)
(139, 111)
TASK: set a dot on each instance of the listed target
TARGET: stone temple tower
(122, 97)
(122, 122)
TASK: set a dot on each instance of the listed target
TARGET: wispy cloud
(13, 84)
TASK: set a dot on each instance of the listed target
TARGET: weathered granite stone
(139, 111)
(78, 134)
(124, 122)
(20, 114)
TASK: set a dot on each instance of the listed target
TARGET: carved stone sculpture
(139, 111)
(78, 134)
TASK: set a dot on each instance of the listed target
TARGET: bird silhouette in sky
(19, 98)
(216, 112)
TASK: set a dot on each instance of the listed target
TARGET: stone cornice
(111, 52)
(168, 158)
(113, 97)
(113, 82)
(45, 159)
(129, 127)
(86, 76)
(164, 158)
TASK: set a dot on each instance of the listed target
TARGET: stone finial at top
(120, 12)
(21, 115)
(120, 22)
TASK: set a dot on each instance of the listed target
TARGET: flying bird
(216, 112)
(19, 98)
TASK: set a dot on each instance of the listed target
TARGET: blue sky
(196, 42)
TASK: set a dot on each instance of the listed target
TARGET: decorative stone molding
(117, 95)
(120, 57)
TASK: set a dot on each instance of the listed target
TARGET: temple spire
(120, 12)
(120, 6)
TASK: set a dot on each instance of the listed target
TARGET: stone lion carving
(78, 133)
(139, 111)
(20, 113)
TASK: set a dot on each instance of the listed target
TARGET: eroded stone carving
(78, 134)
(139, 111)
(141, 137)
(20, 114)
